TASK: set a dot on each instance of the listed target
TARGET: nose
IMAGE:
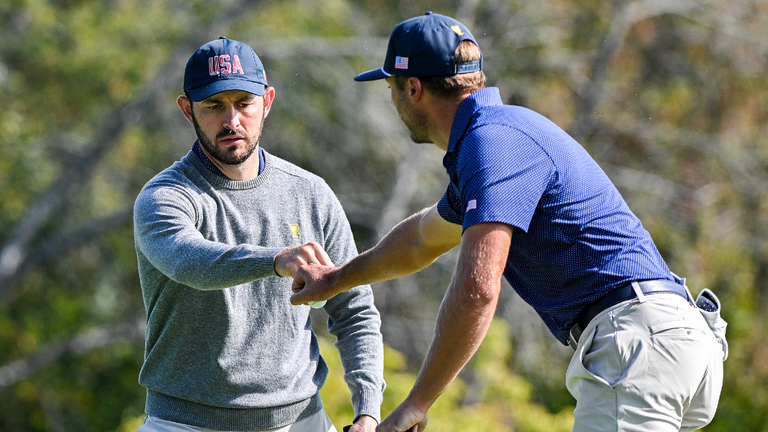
(231, 118)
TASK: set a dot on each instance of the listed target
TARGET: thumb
(298, 281)
(297, 286)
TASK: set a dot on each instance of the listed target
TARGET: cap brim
(372, 75)
(219, 86)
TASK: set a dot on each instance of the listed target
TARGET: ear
(269, 97)
(413, 89)
(186, 107)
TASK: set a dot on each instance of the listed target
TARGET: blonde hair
(450, 86)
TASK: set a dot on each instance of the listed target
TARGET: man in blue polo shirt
(526, 201)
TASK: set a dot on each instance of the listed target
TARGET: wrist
(345, 278)
(418, 401)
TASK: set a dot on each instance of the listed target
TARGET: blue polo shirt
(574, 238)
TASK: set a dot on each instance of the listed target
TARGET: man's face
(229, 124)
(414, 120)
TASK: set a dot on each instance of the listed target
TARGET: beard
(225, 156)
(416, 122)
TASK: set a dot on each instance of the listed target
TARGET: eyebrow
(217, 100)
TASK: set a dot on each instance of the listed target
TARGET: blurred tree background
(670, 97)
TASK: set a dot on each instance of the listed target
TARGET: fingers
(308, 264)
(305, 278)
(289, 260)
(313, 253)
(314, 283)
(321, 256)
(298, 281)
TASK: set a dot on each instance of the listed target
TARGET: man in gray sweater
(218, 236)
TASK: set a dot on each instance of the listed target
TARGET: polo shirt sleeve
(501, 175)
(449, 206)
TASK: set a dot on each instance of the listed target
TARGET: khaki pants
(646, 365)
(318, 422)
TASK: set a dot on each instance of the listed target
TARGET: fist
(288, 261)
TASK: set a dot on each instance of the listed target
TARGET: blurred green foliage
(505, 402)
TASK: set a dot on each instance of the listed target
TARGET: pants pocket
(577, 371)
(709, 306)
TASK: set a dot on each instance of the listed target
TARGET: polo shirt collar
(487, 96)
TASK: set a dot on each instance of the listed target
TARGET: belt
(620, 294)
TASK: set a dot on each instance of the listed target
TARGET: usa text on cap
(221, 65)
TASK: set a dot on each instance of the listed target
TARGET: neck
(441, 113)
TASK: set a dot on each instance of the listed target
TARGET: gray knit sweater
(225, 349)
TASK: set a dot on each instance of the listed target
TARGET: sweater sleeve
(165, 216)
(355, 321)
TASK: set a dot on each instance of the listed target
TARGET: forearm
(204, 265)
(355, 322)
(462, 324)
(410, 246)
(166, 233)
(466, 311)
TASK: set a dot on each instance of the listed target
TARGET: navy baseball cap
(221, 65)
(424, 46)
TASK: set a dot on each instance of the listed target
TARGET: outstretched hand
(289, 260)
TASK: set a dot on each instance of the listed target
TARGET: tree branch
(87, 341)
(49, 249)
(624, 15)
(15, 251)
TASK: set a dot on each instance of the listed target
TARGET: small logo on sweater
(294, 229)
(471, 205)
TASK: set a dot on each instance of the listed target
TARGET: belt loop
(688, 294)
(638, 291)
